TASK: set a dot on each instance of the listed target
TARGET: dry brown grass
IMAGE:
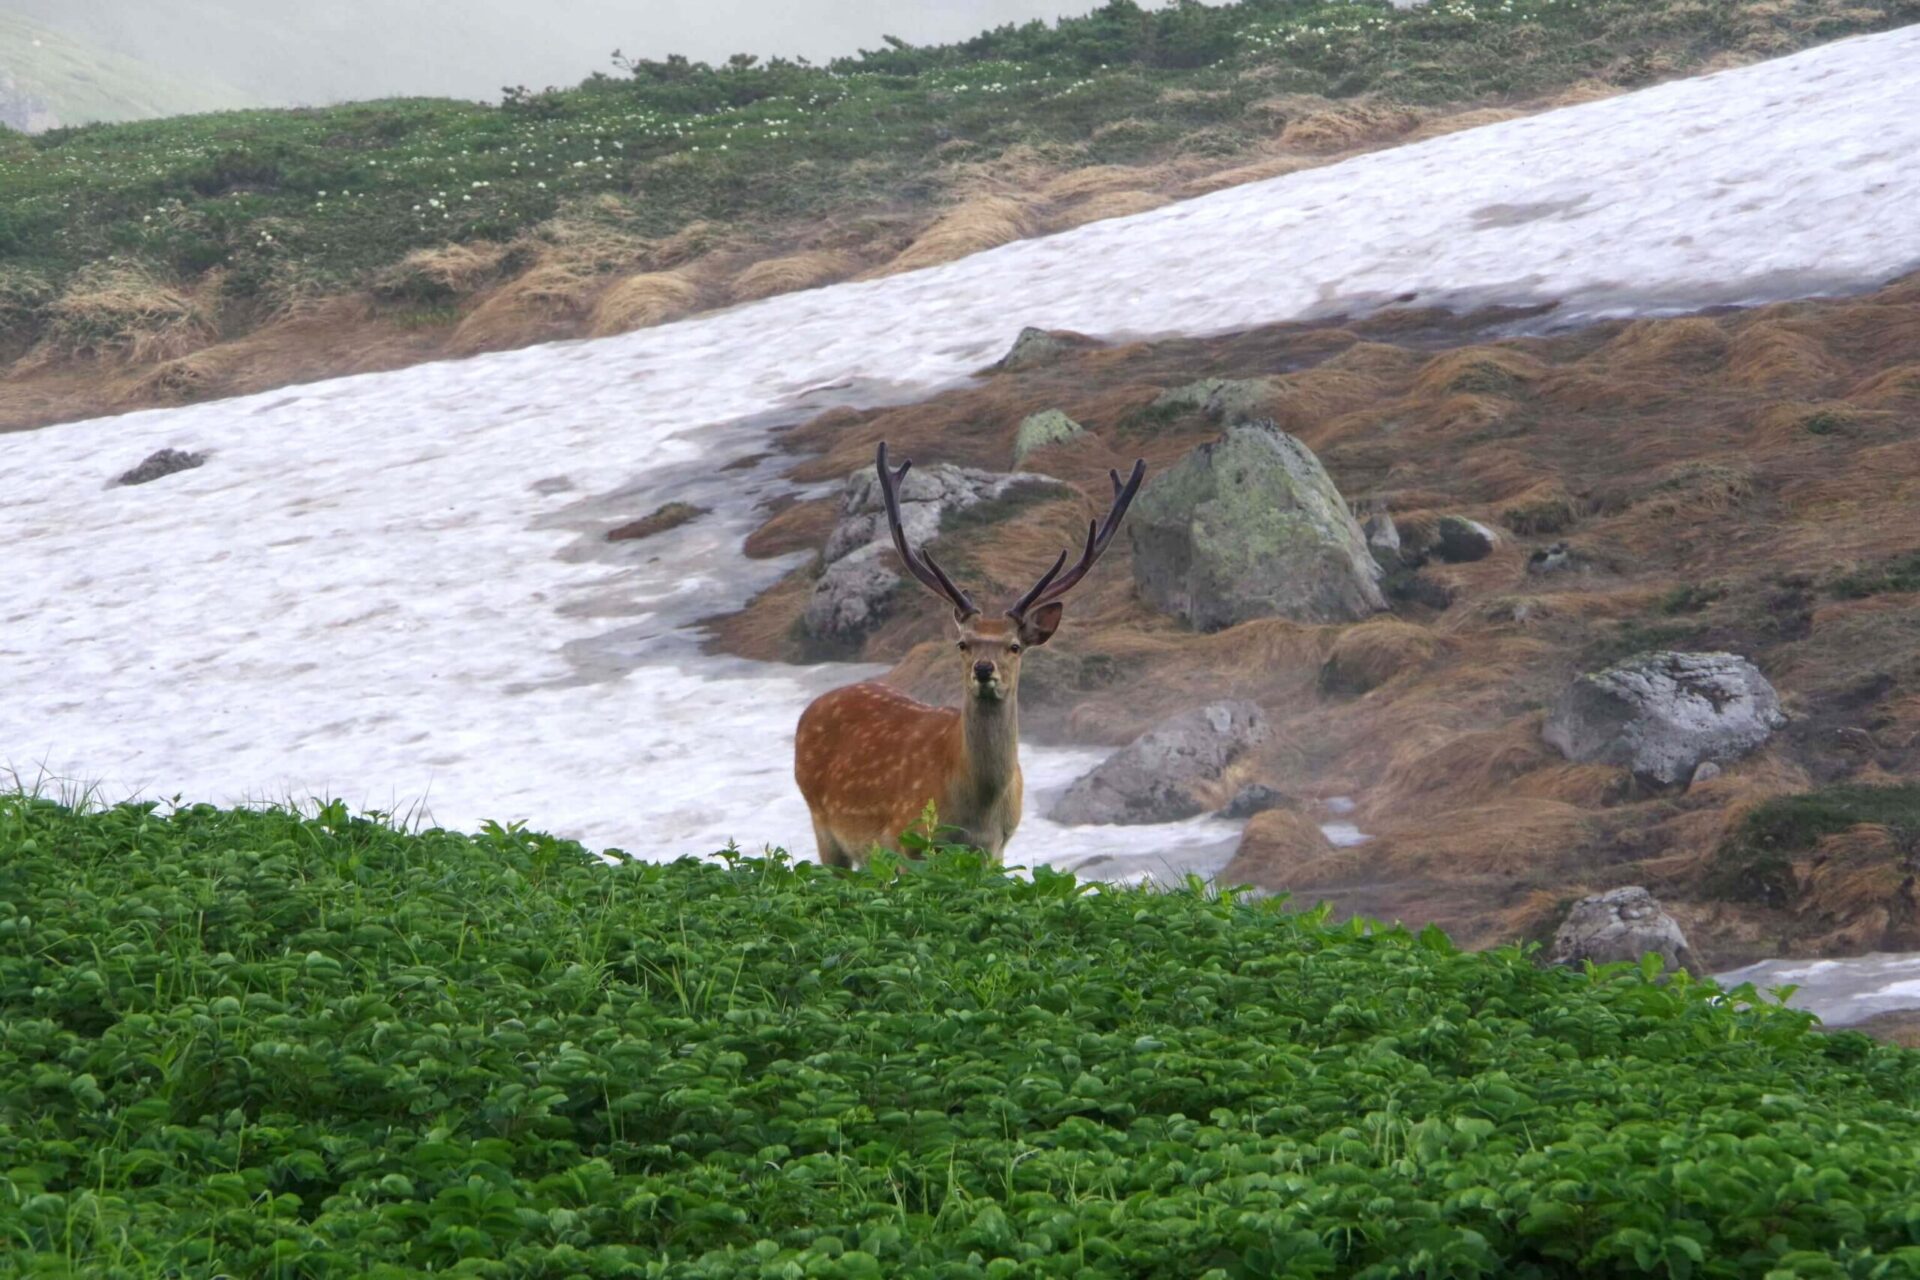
(1687, 344)
(448, 271)
(1346, 126)
(639, 301)
(1278, 846)
(790, 274)
(1369, 655)
(975, 225)
(1110, 204)
(122, 314)
(1776, 357)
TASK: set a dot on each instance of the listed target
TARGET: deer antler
(1052, 585)
(922, 565)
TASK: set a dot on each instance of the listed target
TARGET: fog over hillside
(295, 51)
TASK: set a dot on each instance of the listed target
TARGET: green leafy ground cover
(257, 1044)
(287, 202)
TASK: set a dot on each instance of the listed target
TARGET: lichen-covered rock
(1039, 430)
(1251, 526)
(1166, 773)
(1041, 346)
(854, 595)
(161, 462)
(1620, 925)
(1383, 539)
(1662, 714)
(1225, 400)
(859, 586)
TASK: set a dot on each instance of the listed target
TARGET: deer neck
(990, 734)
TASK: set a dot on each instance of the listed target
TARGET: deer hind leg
(832, 852)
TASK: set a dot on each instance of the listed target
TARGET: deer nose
(983, 671)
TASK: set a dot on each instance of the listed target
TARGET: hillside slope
(53, 79)
(395, 586)
(196, 258)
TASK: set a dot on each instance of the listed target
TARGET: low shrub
(253, 1043)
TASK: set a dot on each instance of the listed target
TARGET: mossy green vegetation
(261, 1044)
(1755, 861)
(287, 202)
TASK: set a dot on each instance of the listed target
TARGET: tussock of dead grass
(184, 379)
(1774, 356)
(1479, 371)
(1278, 166)
(1275, 848)
(788, 274)
(975, 225)
(122, 314)
(1369, 655)
(440, 274)
(1111, 204)
(1099, 180)
(540, 304)
(1465, 768)
(1896, 388)
(1684, 344)
(650, 298)
(1347, 125)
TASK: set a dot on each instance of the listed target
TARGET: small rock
(1039, 430)
(1251, 526)
(1383, 539)
(1165, 774)
(1558, 558)
(1662, 714)
(163, 462)
(1255, 797)
(1707, 772)
(1228, 401)
(1620, 925)
(671, 516)
(1461, 541)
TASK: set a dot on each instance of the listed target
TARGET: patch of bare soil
(1719, 482)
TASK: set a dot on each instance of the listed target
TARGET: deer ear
(1038, 627)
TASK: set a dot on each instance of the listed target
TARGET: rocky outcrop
(1383, 539)
(1041, 346)
(1663, 714)
(1251, 526)
(23, 110)
(1620, 925)
(1039, 430)
(856, 592)
(161, 462)
(1168, 772)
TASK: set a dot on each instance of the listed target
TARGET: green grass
(291, 200)
(1896, 575)
(260, 1045)
(1755, 861)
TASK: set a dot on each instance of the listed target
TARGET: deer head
(990, 648)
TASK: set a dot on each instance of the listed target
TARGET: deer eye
(963, 646)
(1013, 648)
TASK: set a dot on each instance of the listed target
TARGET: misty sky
(309, 51)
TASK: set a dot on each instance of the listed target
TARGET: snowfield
(392, 588)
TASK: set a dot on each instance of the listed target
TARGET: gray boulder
(1248, 527)
(1164, 774)
(1225, 400)
(1255, 797)
(1041, 346)
(1039, 430)
(1620, 925)
(1663, 714)
(859, 585)
(161, 462)
(1383, 538)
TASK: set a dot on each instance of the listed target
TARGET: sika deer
(869, 759)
